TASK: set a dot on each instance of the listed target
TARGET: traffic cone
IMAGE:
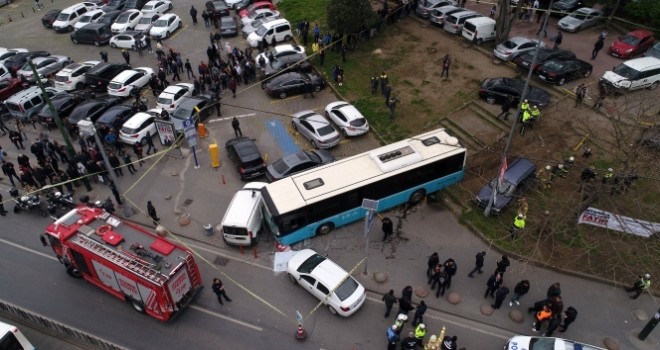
(300, 333)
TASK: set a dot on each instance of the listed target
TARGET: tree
(505, 19)
(349, 16)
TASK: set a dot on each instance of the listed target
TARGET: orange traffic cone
(300, 333)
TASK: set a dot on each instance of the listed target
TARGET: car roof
(327, 271)
(167, 16)
(640, 33)
(519, 170)
(245, 148)
(136, 119)
(125, 75)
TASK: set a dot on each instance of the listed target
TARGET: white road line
(230, 257)
(215, 314)
(28, 249)
(214, 120)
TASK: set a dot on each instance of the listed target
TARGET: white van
(479, 29)
(280, 29)
(70, 16)
(634, 74)
(241, 224)
(12, 338)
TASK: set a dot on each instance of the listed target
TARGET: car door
(643, 45)
(321, 291)
(339, 118)
(308, 283)
(95, 112)
(308, 130)
(170, 23)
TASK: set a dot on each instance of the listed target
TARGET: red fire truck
(155, 276)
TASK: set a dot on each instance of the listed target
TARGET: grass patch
(313, 10)
(408, 82)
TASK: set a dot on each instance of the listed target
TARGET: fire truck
(155, 276)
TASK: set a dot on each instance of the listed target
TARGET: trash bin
(208, 229)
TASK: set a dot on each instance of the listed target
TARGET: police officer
(642, 283)
(383, 82)
(374, 84)
(526, 120)
(518, 225)
(420, 333)
(524, 106)
(608, 175)
(536, 114)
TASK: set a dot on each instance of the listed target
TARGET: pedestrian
(406, 293)
(569, 317)
(129, 163)
(517, 226)
(493, 284)
(450, 267)
(193, 14)
(493, 10)
(9, 170)
(431, 263)
(602, 94)
(449, 343)
(147, 44)
(321, 55)
(553, 324)
(580, 93)
(392, 104)
(597, 46)
(308, 89)
(374, 84)
(392, 337)
(434, 343)
(104, 56)
(3, 212)
(151, 210)
(506, 107)
(400, 321)
(435, 275)
(554, 290)
(150, 143)
(410, 342)
(236, 125)
(387, 227)
(189, 70)
(557, 41)
(137, 149)
(126, 55)
(387, 91)
(446, 62)
(419, 313)
(219, 290)
(544, 315)
(3, 127)
(38, 4)
(205, 17)
(420, 333)
(442, 277)
(478, 264)
(175, 71)
(317, 32)
(343, 50)
(404, 306)
(389, 300)
(641, 284)
(519, 290)
(382, 79)
(500, 295)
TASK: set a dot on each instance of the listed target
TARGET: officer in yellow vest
(420, 333)
(536, 114)
(524, 106)
(518, 225)
(608, 175)
(526, 117)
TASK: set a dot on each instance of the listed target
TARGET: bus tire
(417, 196)
(292, 279)
(325, 228)
(73, 272)
(137, 305)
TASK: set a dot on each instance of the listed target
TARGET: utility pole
(65, 133)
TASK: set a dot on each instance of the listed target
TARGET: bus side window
(291, 222)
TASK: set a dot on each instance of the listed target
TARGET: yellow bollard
(201, 130)
(214, 154)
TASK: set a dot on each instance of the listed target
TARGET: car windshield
(123, 18)
(346, 289)
(280, 166)
(261, 31)
(326, 130)
(85, 19)
(63, 17)
(145, 20)
(509, 44)
(164, 100)
(554, 65)
(160, 23)
(182, 113)
(579, 15)
(227, 21)
(630, 40)
(625, 71)
(308, 265)
(542, 344)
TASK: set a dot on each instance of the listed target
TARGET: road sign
(190, 132)
(371, 214)
(299, 317)
(370, 204)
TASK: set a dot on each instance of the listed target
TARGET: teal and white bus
(319, 200)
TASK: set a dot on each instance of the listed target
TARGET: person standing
(554, 290)
(410, 342)
(389, 300)
(151, 210)
(308, 89)
(9, 170)
(3, 212)
(129, 163)
(602, 94)
(137, 149)
(126, 55)
(404, 306)
(189, 69)
(597, 46)
(431, 263)
(493, 284)
(236, 125)
(392, 337)
(104, 56)
(506, 107)
(517, 226)
(193, 14)
(558, 39)
(569, 317)
(317, 32)
(219, 290)
(419, 313)
(544, 315)
(478, 264)
(388, 228)
(387, 91)
(374, 84)
(147, 44)
(580, 94)
(500, 295)
(205, 17)
(450, 267)
(518, 291)
(641, 284)
(392, 104)
(382, 79)
(449, 343)
(150, 143)
(446, 62)
(441, 277)
(420, 333)
(232, 86)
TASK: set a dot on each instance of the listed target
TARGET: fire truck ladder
(194, 272)
(126, 261)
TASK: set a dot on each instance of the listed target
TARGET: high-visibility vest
(526, 116)
(543, 314)
(535, 112)
(609, 175)
(519, 222)
(646, 283)
(383, 77)
(420, 332)
(524, 106)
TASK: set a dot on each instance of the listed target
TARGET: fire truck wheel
(73, 272)
(138, 306)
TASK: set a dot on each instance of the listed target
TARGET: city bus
(319, 200)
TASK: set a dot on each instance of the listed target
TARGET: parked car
(515, 47)
(632, 43)
(217, 7)
(515, 180)
(92, 109)
(170, 98)
(63, 104)
(109, 18)
(72, 77)
(89, 17)
(653, 51)
(128, 40)
(157, 7)
(9, 87)
(5, 54)
(291, 63)
(315, 128)
(524, 61)
(165, 25)
(136, 128)
(559, 72)
(280, 51)
(439, 15)
(114, 5)
(45, 66)
(114, 116)
(426, 7)
(564, 7)
(125, 82)
(232, 3)
(328, 282)
(259, 14)
(256, 6)
(246, 157)
(293, 83)
(50, 17)
(520, 342)
(146, 22)
(94, 33)
(17, 61)
(498, 90)
(297, 162)
(134, 4)
(70, 16)
(228, 26)
(581, 18)
(347, 118)
(126, 21)
(254, 25)
(188, 107)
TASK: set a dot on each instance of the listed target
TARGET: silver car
(45, 66)
(426, 7)
(315, 128)
(515, 46)
(581, 18)
(438, 16)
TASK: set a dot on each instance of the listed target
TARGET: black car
(63, 104)
(14, 63)
(246, 157)
(293, 83)
(295, 63)
(242, 5)
(559, 72)
(115, 116)
(297, 162)
(228, 26)
(92, 109)
(135, 4)
(564, 7)
(50, 17)
(524, 61)
(94, 33)
(218, 7)
(98, 77)
(109, 17)
(498, 90)
(188, 107)
(516, 179)
(114, 5)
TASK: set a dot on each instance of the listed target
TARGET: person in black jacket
(389, 300)
(502, 265)
(450, 268)
(431, 263)
(493, 283)
(520, 289)
(478, 264)
(500, 295)
(569, 316)
(554, 290)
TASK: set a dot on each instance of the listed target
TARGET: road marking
(233, 320)
(28, 249)
(228, 118)
(172, 36)
(230, 257)
(284, 99)
(281, 136)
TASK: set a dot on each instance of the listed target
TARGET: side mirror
(43, 240)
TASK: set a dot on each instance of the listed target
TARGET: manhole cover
(220, 261)
(187, 202)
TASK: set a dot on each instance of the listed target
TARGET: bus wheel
(73, 272)
(417, 196)
(137, 306)
(292, 279)
(325, 229)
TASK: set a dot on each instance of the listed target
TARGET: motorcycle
(106, 205)
(58, 202)
(30, 202)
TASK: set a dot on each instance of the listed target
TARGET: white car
(135, 129)
(127, 20)
(520, 342)
(170, 98)
(342, 293)
(128, 40)
(232, 3)
(146, 22)
(347, 118)
(6, 53)
(136, 78)
(280, 51)
(316, 129)
(89, 17)
(157, 7)
(72, 77)
(259, 14)
(45, 66)
(254, 25)
(165, 25)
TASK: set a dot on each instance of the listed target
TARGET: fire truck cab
(155, 276)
